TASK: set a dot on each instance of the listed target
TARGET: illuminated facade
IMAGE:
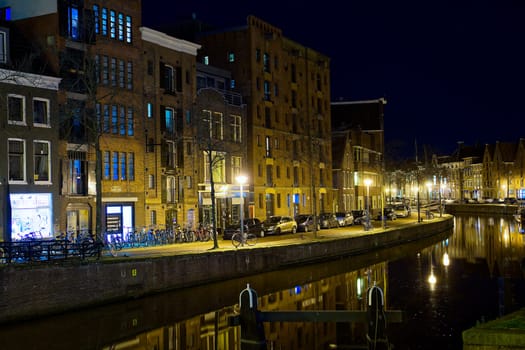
(287, 90)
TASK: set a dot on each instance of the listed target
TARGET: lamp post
(241, 180)
(368, 182)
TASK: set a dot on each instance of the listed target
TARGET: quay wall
(29, 291)
(495, 209)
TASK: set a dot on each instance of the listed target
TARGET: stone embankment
(40, 289)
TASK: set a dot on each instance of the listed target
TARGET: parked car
(388, 212)
(252, 225)
(344, 218)
(359, 216)
(305, 223)
(275, 225)
(402, 211)
(328, 220)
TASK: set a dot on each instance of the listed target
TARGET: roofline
(379, 100)
(165, 40)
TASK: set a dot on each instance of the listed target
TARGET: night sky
(450, 72)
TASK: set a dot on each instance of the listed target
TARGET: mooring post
(252, 328)
(376, 334)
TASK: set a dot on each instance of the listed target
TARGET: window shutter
(162, 118)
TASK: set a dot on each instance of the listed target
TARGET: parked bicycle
(241, 239)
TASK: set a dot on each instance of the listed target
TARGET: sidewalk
(269, 241)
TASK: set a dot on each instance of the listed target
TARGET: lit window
(151, 181)
(128, 29)
(206, 60)
(122, 121)
(169, 117)
(232, 84)
(104, 21)
(131, 122)
(123, 164)
(112, 24)
(150, 110)
(121, 73)
(40, 112)
(121, 27)
(130, 75)
(96, 19)
(107, 167)
(231, 57)
(42, 161)
(114, 162)
(114, 119)
(131, 166)
(73, 23)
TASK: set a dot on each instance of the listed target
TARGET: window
(104, 21)
(268, 146)
(131, 122)
(96, 19)
(231, 57)
(170, 154)
(41, 112)
(266, 62)
(121, 26)
(114, 162)
(151, 181)
(42, 161)
(236, 128)
(105, 125)
(97, 69)
(112, 24)
(77, 172)
(236, 166)
(215, 124)
(218, 166)
(169, 79)
(73, 22)
(114, 119)
(131, 166)
(113, 71)
(130, 75)
(122, 121)
(3, 47)
(16, 109)
(258, 55)
(16, 149)
(121, 73)
(267, 90)
(170, 189)
(128, 29)
(123, 165)
(169, 117)
(206, 60)
(150, 110)
(107, 167)
(105, 70)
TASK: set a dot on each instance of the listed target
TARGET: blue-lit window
(123, 164)
(131, 166)
(73, 23)
(128, 29)
(131, 122)
(169, 117)
(231, 57)
(96, 19)
(114, 119)
(106, 119)
(104, 21)
(267, 90)
(107, 168)
(115, 164)
(206, 60)
(150, 110)
(121, 27)
(130, 75)
(232, 84)
(122, 122)
(112, 24)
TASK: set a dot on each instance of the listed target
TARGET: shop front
(31, 215)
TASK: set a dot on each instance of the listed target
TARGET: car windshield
(274, 220)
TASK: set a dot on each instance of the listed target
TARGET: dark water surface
(483, 279)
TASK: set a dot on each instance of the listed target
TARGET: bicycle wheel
(251, 239)
(237, 240)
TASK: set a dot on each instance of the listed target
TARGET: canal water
(442, 285)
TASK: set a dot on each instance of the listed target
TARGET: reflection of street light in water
(431, 278)
(446, 260)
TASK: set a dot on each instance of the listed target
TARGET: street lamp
(368, 182)
(241, 180)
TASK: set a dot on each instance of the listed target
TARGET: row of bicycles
(32, 247)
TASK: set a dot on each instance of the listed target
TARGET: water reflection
(476, 273)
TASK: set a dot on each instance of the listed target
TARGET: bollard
(252, 329)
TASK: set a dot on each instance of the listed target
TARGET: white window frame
(48, 113)
(17, 122)
(48, 181)
(23, 165)
(236, 128)
(3, 47)
(236, 166)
